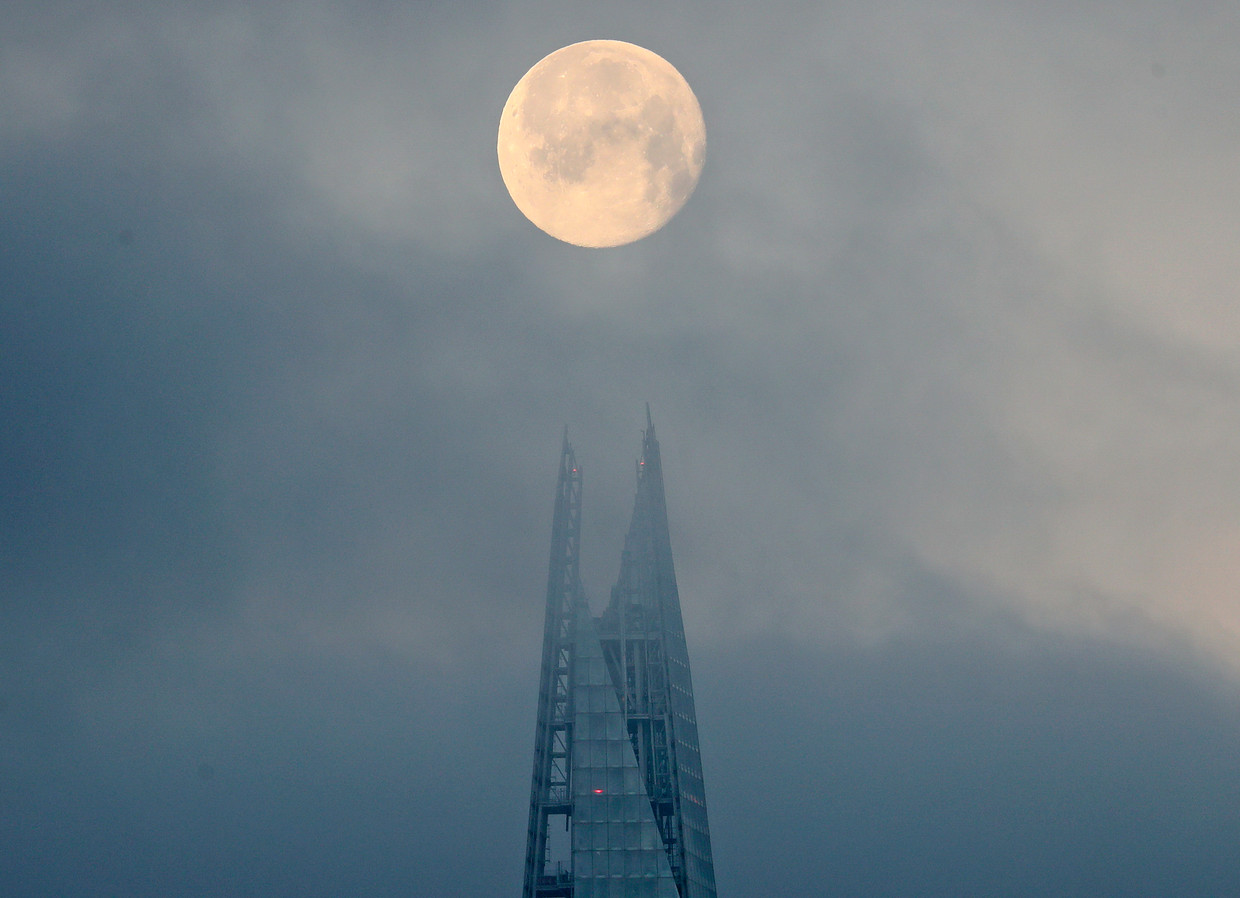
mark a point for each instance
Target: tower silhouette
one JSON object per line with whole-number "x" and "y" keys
{"x": 617, "y": 803}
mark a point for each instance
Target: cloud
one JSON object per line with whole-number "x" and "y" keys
{"x": 940, "y": 355}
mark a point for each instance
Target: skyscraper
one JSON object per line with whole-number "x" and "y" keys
{"x": 617, "y": 804}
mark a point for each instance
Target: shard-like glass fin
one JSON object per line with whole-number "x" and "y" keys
{"x": 616, "y": 765}
{"x": 644, "y": 623}
{"x": 617, "y": 847}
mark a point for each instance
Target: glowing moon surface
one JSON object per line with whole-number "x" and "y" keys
{"x": 601, "y": 143}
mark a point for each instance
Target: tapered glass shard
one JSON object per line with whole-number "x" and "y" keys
{"x": 614, "y": 835}
{"x": 617, "y": 805}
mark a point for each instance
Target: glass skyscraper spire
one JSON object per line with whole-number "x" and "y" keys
{"x": 617, "y": 803}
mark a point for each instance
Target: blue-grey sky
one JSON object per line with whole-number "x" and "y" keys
{"x": 944, "y": 355}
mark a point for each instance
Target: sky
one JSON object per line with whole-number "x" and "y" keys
{"x": 943, "y": 355}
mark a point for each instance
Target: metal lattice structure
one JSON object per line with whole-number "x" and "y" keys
{"x": 617, "y": 803}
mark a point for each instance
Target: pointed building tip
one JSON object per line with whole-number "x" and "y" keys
{"x": 650, "y": 447}
{"x": 568, "y": 460}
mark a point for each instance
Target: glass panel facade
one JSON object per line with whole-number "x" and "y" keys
{"x": 617, "y": 727}
{"x": 646, "y": 598}
{"x": 617, "y": 849}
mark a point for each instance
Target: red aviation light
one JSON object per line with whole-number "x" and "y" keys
{"x": 598, "y": 791}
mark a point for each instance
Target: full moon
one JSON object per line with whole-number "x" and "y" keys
{"x": 601, "y": 143}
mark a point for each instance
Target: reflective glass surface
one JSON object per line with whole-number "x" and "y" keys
{"x": 617, "y": 849}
